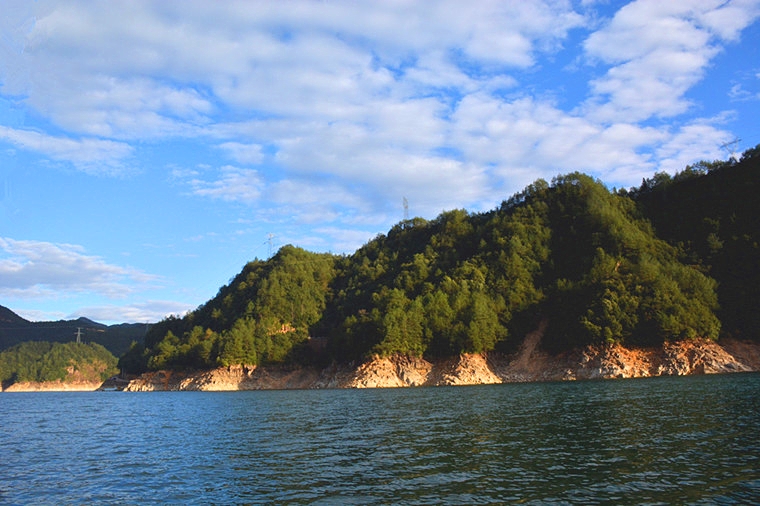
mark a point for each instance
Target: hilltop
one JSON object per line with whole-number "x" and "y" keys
{"x": 672, "y": 261}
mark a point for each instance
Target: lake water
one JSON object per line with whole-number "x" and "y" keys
{"x": 692, "y": 440}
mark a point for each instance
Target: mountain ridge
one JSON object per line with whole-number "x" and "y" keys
{"x": 117, "y": 338}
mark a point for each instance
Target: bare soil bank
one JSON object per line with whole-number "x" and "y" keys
{"x": 85, "y": 379}
{"x": 529, "y": 364}
{"x": 54, "y": 386}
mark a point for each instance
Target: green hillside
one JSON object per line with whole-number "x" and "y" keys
{"x": 38, "y": 361}
{"x": 669, "y": 260}
{"x": 116, "y": 338}
{"x": 711, "y": 213}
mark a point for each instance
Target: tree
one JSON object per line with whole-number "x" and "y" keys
{"x": 402, "y": 326}
{"x": 631, "y": 267}
{"x": 40, "y": 361}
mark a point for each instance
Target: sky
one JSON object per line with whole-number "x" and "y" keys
{"x": 149, "y": 149}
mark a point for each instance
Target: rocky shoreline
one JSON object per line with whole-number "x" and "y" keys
{"x": 54, "y": 386}
{"x": 529, "y": 364}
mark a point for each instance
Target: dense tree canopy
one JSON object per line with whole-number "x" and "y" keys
{"x": 710, "y": 213}
{"x": 38, "y": 361}
{"x": 633, "y": 266}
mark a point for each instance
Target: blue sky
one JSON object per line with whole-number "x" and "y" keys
{"x": 149, "y": 149}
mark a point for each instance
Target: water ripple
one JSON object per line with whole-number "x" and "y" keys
{"x": 658, "y": 441}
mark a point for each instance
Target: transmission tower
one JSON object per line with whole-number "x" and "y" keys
{"x": 406, "y": 210}
{"x": 271, "y": 244}
{"x": 731, "y": 148}
{"x": 79, "y": 335}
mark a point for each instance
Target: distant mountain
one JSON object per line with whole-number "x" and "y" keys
{"x": 115, "y": 338}
{"x": 9, "y": 317}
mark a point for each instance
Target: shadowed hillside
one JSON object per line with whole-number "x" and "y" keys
{"x": 115, "y": 338}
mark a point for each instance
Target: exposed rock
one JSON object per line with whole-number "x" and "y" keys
{"x": 466, "y": 369}
{"x": 530, "y": 363}
{"x": 153, "y": 381}
{"x": 379, "y": 372}
{"x": 698, "y": 357}
{"x": 83, "y": 377}
{"x": 54, "y": 386}
{"x": 611, "y": 361}
{"x": 398, "y": 371}
{"x": 240, "y": 377}
{"x": 745, "y": 352}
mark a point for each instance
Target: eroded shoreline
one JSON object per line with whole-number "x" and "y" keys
{"x": 529, "y": 364}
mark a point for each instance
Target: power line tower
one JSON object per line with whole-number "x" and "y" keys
{"x": 271, "y": 244}
{"x": 731, "y": 148}
{"x": 406, "y": 209}
{"x": 79, "y": 335}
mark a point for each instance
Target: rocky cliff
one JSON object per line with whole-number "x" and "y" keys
{"x": 528, "y": 364}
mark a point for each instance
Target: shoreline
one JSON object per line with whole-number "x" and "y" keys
{"x": 528, "y": 364}
{"x": 53, "y": 386}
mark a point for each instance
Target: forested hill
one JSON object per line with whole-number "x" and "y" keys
{"x": 116, "y": 338}
{"x": 711, "y": 212}
{"x": 40, "y": 361}
{"x": 669, "y": 260}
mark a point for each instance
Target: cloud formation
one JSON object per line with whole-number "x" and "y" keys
{"x": 384, "y": 96}
{"x": 149, "y": 311}
{"x": 232, "y": 184}
{"x": 657, "y": 51}
{"x": 95, "y": 156}
{"x": 35, "y": 269}
{"x": 315, "y": 119}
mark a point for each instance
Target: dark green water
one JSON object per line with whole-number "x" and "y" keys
{"x": 693, "y": 440}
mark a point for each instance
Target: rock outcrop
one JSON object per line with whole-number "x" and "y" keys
{"x": 530, "y": 363}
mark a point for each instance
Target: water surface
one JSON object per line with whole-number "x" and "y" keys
{"x": 680, "y": 440}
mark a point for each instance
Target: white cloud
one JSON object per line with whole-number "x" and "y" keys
{"x": 233, "y": 184}
{"x": 133, "y": 108}
{"x": 150, "y": 311}
{"x": 164, "y": 68}
{"x": 37, "y": 315}
{"x": 309, "y": 201}
{"x": 527, "y": 139}
{"x": 248, "y": 154}
{"x": 690, "y": 144}
{"x": 344, "y": 108}
{"x": 339, "y": 239}
{"x": 728, "y": 19}
{"x": 739, "y": 94}
{"x": 372, "y": 94}
{"x": 35, "y": 269}
{"x": 659, "y": 50}
{"x": 95, "y": 156}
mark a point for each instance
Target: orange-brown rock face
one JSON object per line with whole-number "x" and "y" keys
{"x": 530, "y": 363}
